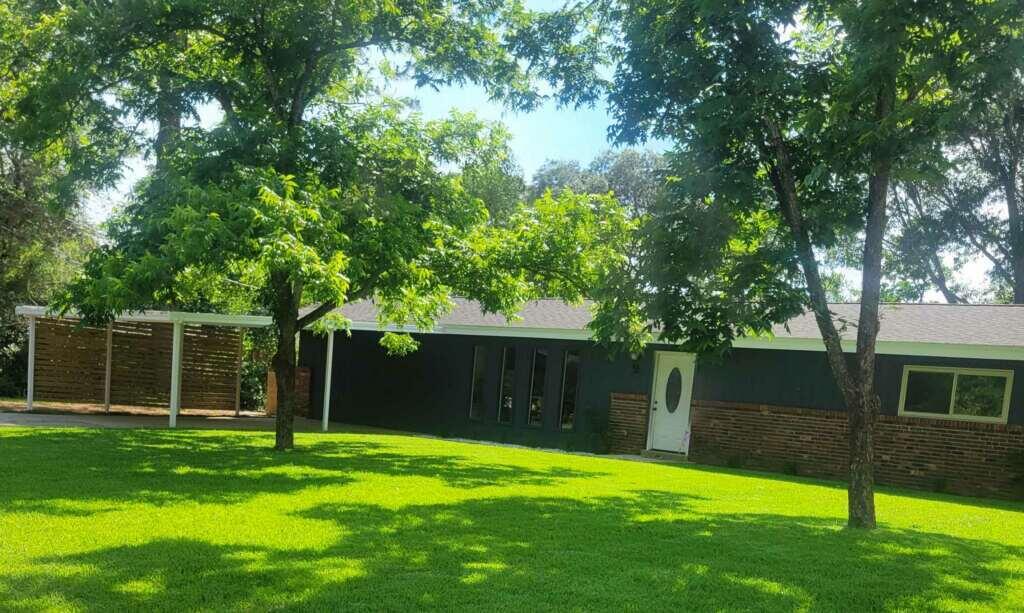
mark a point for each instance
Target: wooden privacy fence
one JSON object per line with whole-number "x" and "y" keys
{"x": 72, "y": 362}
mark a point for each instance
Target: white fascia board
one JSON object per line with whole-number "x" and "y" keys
{"x": 512, "y": 332}
{"x": 218, "y": 319}
{"x": 911, "y": 348}
{"x": 781, "y": 343}
{"x": 213, "y": 319}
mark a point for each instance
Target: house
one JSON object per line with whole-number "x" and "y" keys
{"x": 950, "y": 377}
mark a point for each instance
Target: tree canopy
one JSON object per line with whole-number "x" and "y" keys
{"x": 312, "y": 188}
{"x": 634, "y": 176}
{"x": 974, "y": 209}
{"x": 791, "y": 123}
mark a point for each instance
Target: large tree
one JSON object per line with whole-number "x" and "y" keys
{"x": 975, "y": 208}
{"x": 43, "y": 231}
{"x": 634, "y": 176}
{"x": 791, "y": 122}
{"x": 312, "y": 189}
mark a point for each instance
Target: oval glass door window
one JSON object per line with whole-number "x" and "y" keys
{"x": 673, "y": 390}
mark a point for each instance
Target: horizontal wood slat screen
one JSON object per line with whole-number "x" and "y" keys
{"x": 71, "y": 363}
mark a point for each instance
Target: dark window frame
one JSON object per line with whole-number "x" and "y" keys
{"x": 576, "y": 391}
{"x": 473, "y": 384}
{"x": 543, "y": 389}
{"x": 512, "y": 387}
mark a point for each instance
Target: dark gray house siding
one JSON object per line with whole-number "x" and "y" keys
{"x": 802, "y": 379}
{"x": 429, "y": 390}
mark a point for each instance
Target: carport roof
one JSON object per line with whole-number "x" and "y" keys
{"x": 211, "y": 319}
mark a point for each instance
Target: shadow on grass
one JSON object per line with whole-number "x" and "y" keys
{"x": 959, "y": 499}
{"x": 75, "y": 471}
{"x": 643, "y": 552}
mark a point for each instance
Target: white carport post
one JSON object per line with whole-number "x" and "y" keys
{"x": 176, "y": 349}
{"x": 327, "y": 379}
{"x": 30, "y": 392}
{"x": 110, "y": 355}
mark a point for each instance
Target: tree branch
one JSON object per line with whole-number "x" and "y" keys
{"x": 315, "y": 314}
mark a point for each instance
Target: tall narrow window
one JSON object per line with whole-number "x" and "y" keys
{"x": 540, "y": 370}
{"x": 508, "y": 385}
{"x": 476, "y": 394}
{"x": 570, "y": 389}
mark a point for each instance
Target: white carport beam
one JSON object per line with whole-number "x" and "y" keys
{"x": 327, "y": 379}
{"x": 176, "y": 349}
{"x": 30, "y": 392}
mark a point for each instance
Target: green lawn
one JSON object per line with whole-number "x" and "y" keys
{"x": 133, "y": 519}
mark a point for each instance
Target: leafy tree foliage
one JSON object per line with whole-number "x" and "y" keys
{"x": 312, "y": 189}
{"x": 976, "y": 208}
{"x": 791, "y": 120}
{"x": 634, "y": 176}
{"x": 43, "y": 236}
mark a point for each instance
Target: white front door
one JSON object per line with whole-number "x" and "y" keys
{"x": 670, "y": 401}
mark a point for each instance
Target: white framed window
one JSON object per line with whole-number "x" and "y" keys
{"x": 972, "y": 394}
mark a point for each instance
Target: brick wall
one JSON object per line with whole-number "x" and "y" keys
{"x": 301, "y": 392}
{"x": 627, "y": 423}
{"x": 955, "y": 456}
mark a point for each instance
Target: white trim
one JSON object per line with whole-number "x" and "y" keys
{"x": 912, "y": 348}
{"x": 956, "y": 372}
{"x": 238, "y": 372}
{"x": 211, "y": 319}
{"x": 473, "y": 330}
{"x": 31, "y": 379}
{"x": 177, "y": 342}
{"x": 328, "y": 367}
{"x": 107, "y": 371}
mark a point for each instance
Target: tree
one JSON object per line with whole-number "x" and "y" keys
{"x": 636, "y": 177}
{"x": 920, "y": 240}
{"x": 791, "y": 122}
{"x": 43, "y": 233}
{"x": 311, "y": 188}
{"x": 976, "y": 207}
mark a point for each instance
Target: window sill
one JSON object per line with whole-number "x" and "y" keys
{"x": 950, "y": 417}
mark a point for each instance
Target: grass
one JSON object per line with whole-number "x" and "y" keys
{"x": 147, "y": 519}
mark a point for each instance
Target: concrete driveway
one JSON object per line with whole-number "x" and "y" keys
{"x": 115, "y": 420}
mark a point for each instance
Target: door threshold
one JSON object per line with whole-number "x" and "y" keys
{"x": 667, "y": 456}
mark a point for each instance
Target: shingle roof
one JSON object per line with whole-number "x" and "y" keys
{"x": 543, "y": 314}
{"x": 994, "y": 325}
{"x": 958, "y": 324}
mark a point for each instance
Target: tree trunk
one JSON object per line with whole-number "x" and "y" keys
{"x": 1016, "y": 220}
{"x": 286, "y": 316}
{"x": 857, "y": 384}
{"x": 860, "y": 493}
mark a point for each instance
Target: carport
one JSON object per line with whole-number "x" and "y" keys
{"x": 140, "y": 358}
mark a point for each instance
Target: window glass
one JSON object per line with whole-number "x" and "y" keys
{"x": 508, "y": 384}
{"x": 979, "y": 395}
{"x": 540, "y": 368}
{"x": 928, "y": 392}
{"x": 570, "y": 386}
{"x": 476, "y": 399}
{"x": 673, "y": 390}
